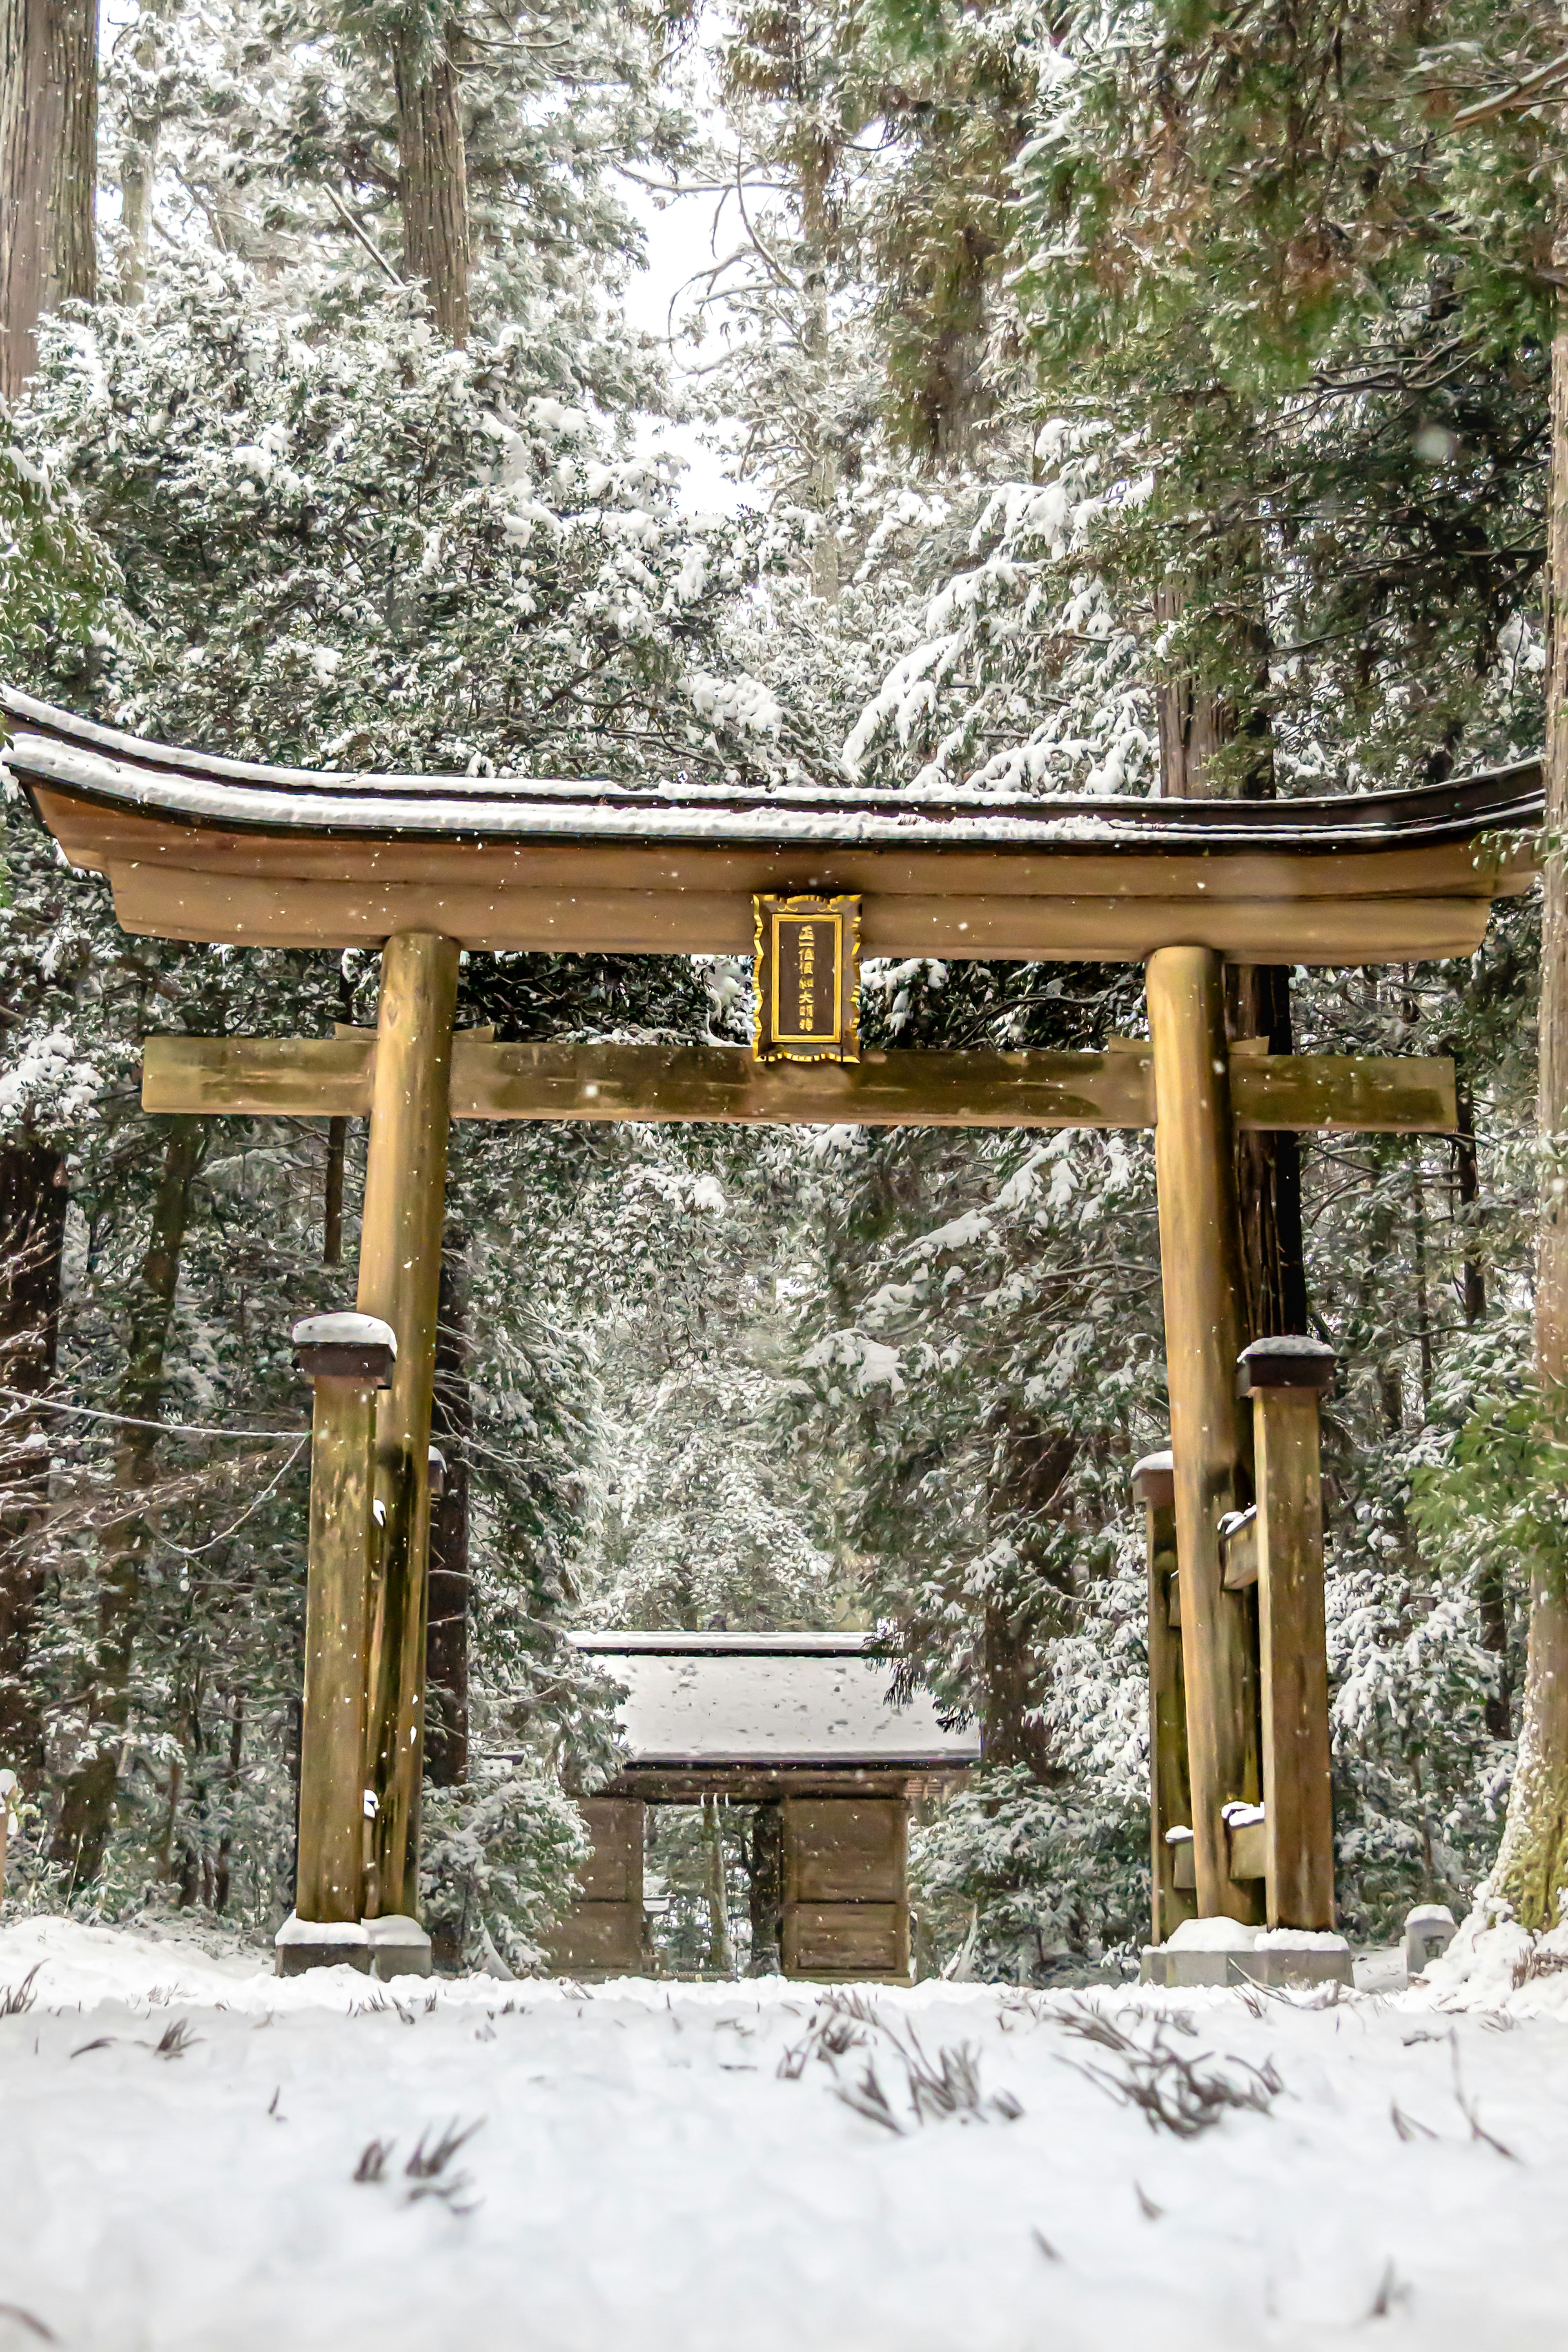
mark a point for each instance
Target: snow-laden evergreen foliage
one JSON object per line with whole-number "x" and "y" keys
{"x": 1031, "y": 317}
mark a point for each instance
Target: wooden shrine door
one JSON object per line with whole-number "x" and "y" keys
{"x": 846, "y": 1894}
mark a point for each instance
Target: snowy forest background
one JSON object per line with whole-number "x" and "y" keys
{"x": 1059, "y": 355}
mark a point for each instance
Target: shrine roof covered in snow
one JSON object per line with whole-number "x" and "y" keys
{"x": 201, "y": 847}
{"x": 760, "y": 1704}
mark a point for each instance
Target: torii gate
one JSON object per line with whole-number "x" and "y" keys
{"x": 202, "y": 849}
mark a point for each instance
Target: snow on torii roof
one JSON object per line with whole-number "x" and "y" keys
{"x": 769, "y": 1700}
{"x": 53, "y": 747}
{"x": 203, "y": 848}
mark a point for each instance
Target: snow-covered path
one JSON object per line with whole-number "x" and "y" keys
{"x": 646, "y": 2178}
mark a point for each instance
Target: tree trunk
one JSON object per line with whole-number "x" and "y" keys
{"x": 433, "y": 174}
{"x": 446, "y": 1635}
{"x": 333, "y": 1199}
{"x": 1008, "y": 1736}
{"x": 139, "y": 158}
{"x": 33, "y": 1199}
{"x": 1269, "y": 1169}
{"x": 1532, "y": 1868}
{"x": 721, "y": 1952}
{"x": 822, "y": 458}
{"x": 86, "y": 1804}
{"x": 1492, "y": 1588}
{"x": 766, "y": 1890}
{"x": 1468, "y": 1184}
{"x": 48, "y": 158}
{"x": 1194, "y": 727}
{"x": 231, "y": 1785}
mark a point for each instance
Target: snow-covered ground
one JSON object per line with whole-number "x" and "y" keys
{"x": 189, "y": 2163}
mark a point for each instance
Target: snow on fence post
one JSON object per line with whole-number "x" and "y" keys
{"x": 348, "y": 1358}
{"x": 1284, "y": 1377}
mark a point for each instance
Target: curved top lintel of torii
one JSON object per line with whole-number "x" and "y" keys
{"x": 200, "y": 847}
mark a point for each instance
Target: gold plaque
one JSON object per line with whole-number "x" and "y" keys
{"x": 808, "y": 954}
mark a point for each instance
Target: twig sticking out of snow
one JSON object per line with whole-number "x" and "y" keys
{"x": 1181, "y": 2096}
{"x": 426, "y": 2167}
{"x": 16, "y": 2000}
{"x": 371, "y": 2168}
{"x": 29, "y": 2319}
{"x": 947, "y": 2087}
{"x": 1467, "y": 2107}
{"x": 868, "y": 2098}
{"x": 175, "y": 2040}
{"x": 1392, "y": 2291}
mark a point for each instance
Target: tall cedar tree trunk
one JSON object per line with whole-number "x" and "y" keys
{"x": 1194, "y": 727}
{"x": 48, "y": 167}
{"x": 139, "y": 162}
{"x": 1037, "y": 1463}
{"x": 1532, "y": 1869}
{"x": 815, "y": 232}
{"x": 721, "y": 1951}
{"x": 434, "y": 193}
{"x": 33, "y": 1197}
{"x": 446, "y": 1636}
{"x": 432, "y": 175}
{"x": 766, "y": 1890}
{"x": 86, "y": 1805}
{"x": 1491, "y": 1591}
{"x": 49, "y": 154}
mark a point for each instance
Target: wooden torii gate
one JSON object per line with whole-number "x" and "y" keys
{"x": 202, "y": 849}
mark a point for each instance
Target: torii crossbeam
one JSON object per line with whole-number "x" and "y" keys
{"x": 201, "y": 848}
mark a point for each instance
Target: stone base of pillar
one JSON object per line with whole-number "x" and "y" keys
{"x": 302, "y": 1944}
{"x": 389, "y": 1948}
{"x": 1325, "y": 1959}
{"x": 399, "y": 1947}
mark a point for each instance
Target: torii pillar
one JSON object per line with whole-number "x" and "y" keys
{"x": 400, "y": 1280}
{"x": 1201, "y": 1277}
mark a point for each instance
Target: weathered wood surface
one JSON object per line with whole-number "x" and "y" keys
{"x": 846, "y": 1903}
{"x": 602, "y": 1934}
{"x": 1200, "y": 1266}
{"x": 1353, "y": 1094}
{"x": 1239, "y": 1553}
{"x": 1249, "y": 1855}
{"x": 1294, "y": 1652}
{"x": 334, "y": 1077}
{"x": 846, "y": 1939}
{"x": 1170, "y": 1798}
{"x": 260, "y": 1078}
{"x": 1315, "y": 864}
{"x": 331, "y": 1876}
{"x": 839, "y": 1849}
{"x": 597, "y": 1939}
{"x": 614, "y": 1871}
{"x": 400, "y": 1275}
{"x": 1074, "y": 924}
